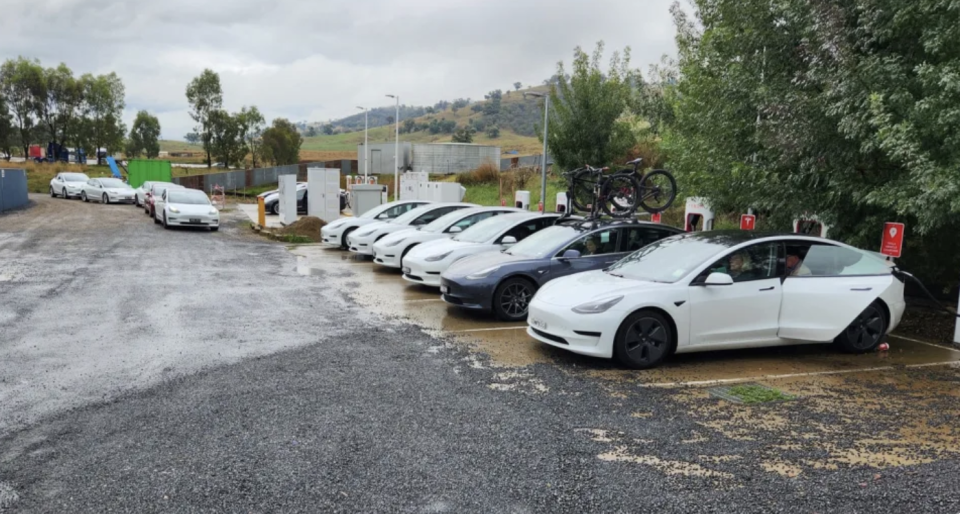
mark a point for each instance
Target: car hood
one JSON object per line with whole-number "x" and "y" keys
{"x": 397, "y": 236}
{"x": 191, "y": 208}
{"x": 591, "y": 285}
{"x": 370, "y": 227}
{"x": 483, "y": 261}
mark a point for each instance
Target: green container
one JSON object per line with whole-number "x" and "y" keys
{"x": 142, "y": 170}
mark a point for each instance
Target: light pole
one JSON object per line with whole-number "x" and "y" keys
{"x": 543, "y": 164}
{"x": 396, "y": 152}
{"x": 366, "y": 149}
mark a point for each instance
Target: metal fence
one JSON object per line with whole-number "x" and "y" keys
{"x": 13, "y": 189}
{"x": 240, "y": 179}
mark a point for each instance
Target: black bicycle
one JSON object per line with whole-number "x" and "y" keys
{"x": 619, "y": 194}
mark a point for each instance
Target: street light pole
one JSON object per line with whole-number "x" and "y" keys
{"x": 396, "y": 152}
{"x": 543, "y": 164}
{"x": 366, "y": 146}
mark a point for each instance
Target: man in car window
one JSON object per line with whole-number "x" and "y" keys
{"x": 795, "y": 266}
{"x": 590, "y": 248}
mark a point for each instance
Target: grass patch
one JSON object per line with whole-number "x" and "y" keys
{"x": 294, "y": 238}
{"x": 750, "y": 394}
{"x": 39, "y": 175}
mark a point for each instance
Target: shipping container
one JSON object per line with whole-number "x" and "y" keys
{"x": 447, "y": 158}
{"x": 141, "y": 170}
{"x": 381, "y": 158}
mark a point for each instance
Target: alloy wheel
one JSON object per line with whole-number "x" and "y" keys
{"x": 867, "y": 329}
{"x": 515, "y": 299}
{"x": 646, "y": 340}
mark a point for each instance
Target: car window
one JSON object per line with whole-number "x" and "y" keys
{"x": 301, "y": 193}
{"x": 397, "y": 210}
{"x": 469, "y": 221}
{"x": 595, "y": 243}
{"x": 822, "y": 260}
{"x": 427, "y": 217}
{"x": 635, "y": 238}
{"x": 756, "y": 262}
{"x": 521, "y": 231}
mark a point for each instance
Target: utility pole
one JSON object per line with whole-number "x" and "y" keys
{"x": 396, "y": 152}
{"x": 543, "y": 164}
{"x": 366, "y": 146}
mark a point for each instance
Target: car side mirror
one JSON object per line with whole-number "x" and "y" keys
{"x": 570, "y": 254}
{"x": 508, "y": 241}
{"x": 455, "y": 230}
{"x": 718, "y": 279}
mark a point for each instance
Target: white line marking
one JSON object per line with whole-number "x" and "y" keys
{"x": 489, "y": 329}
{"x": 425, "y": 300}
{"x": 926, "y": 343}
{"x": 722, "y": 381}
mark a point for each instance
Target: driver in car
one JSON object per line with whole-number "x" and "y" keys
{"x": 590, "y": 247}
{"x": 795, "y": 266}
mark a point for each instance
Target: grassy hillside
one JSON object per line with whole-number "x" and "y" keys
{"x": 167, "y": 145}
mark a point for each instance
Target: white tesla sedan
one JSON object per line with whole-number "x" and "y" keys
{"x": 67, "y": 185}
{"x": 335, "y": 233}
{"x": 140, "y": 193}
{"x": 425, "y": 263}
{"x": 106, "y": 190}
{"x": 721, "y": 290}
{"x": 361, "y": 241}
{"x": 186, "y": 208}
{"x": 391, "y": 250}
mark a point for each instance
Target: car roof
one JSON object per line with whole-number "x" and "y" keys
{"x": 591, "y": 225}
{"x": 736, "y": 237}
{"x": 526, "y": 215}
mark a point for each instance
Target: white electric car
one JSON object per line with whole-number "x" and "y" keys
{"x": 391, "y": 250}
{"x": 335, "y": 233}
{"x": 361, "y": 241}
{"x": 425, "y": 263}
{"x": 186, "y": 208}
{"x": 67, "y": 185}
{"x": 721, "y": 290}
{"x": 106, "y": 190}
{"x": 140, "y": 193}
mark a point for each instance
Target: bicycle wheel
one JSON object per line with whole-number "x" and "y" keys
{"x": 658, "y": 190}
{"x": 581, "y": 191}
{"x": 620, "y": 195}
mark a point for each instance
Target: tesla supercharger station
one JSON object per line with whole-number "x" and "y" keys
{"x": 697, "y": 216}
{"x": 323, "y": 193}
{"x": 562, "y": 205}
{"x": 410, "y": 184}
{"x": 810, "y": 226}
{"x": 288, "y": 198}
{"x": 522, "y": 200}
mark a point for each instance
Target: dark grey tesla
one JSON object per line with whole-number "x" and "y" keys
{"x": 504, "y": 282}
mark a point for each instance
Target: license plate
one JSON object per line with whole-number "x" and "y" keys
{"x": 194, "y": 220}
{"x": 444, "y": 290}
{"x": 542, "y": 325}
{"x": 406, "y": 269}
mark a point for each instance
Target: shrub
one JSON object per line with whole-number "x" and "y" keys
{"x": 487, "y": 173}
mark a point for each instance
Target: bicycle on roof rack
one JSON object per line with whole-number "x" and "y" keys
{"x": 619, "y": 194}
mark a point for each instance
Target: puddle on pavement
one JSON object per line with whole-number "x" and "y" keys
{"x": 897, "y": 414}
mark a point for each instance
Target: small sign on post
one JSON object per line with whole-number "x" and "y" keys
{"x": 655, "y": 217}
{"x": 748, "y": 221}
{"x": 892, "y": 243}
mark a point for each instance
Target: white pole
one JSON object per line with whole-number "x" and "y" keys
{"x": 366, "y": 144}
{"x": 543, "y": 169}
{"x": 396, "y": 155}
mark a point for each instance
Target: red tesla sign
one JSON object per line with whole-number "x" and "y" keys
{"x": 655, "y": 217}
{"x": 892, "y": 242}
{"x": 748, "y": 221}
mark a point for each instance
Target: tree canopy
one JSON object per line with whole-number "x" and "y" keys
{"x": 206, "y": 97}
{"x": 144, "y": 136}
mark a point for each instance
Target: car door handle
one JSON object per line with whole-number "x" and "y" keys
{"x": 861, "y": 289}
{"x": 767, "y": 288}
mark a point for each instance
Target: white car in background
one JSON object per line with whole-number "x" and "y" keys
{"x": 391, "y": 250}
{"x": 140, "y": 193}
{"x": 154, "y": 193}
{"x": 186, "y": 208}
{"x": 425, "y": 263}
{"x": 721, "y": 290}
{"x": 335, "y": 233}
{"x": 68, "y": 185}
{"x": 106, "y": 190}
{"x": 361, "y": 241}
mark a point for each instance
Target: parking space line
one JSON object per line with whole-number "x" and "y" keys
{"x": 942, "y": 347}
{"x": 489, "y": 329}
{"x": 722, "y": 381}
{"x": 425, "y": 300}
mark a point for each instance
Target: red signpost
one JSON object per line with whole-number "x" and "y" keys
{"x": 892, "y": 243}
{"x": 655, "y": 217}
{"x": 748, "y": 221}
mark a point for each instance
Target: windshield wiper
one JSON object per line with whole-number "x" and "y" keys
{"x": 612, "y": 273}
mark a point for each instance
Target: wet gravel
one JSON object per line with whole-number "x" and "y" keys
{"x": 199, "y": 372}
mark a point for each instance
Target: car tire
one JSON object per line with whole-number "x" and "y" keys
{"x": 343, "y": 238}
{"x": 63, "y": 193}
{"x": 866, "y": 331}
{"x": 275, "y": 209}
{"x": 165, "y": 221}
{"x": 105, "y": 199}
{"x": 136, "y": 201}
{"x": 214, "y": 229}
{"x": 155, "y": 220}
{"x": 53, "y": 194}
{"x": 511, "y": 299}
{"x": 404, "y": 254}
{"x": 83, "y": 196}
{"x": 643, "y": 340}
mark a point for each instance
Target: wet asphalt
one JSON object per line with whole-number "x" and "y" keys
{"x": 144, "y": 370}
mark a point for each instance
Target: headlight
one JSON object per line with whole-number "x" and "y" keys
{"x": 367, "y": 233}
{"x": 174, "y": 209}
{"x": 395, "y": 243}
{"x": 597, "y": 306}
{"x": 435, "y": 258}
{"x": 214, "y": 212}
{"x": 483, "y": 273}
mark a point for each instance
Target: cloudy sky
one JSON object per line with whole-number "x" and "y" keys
{"x": 317, "y": 60}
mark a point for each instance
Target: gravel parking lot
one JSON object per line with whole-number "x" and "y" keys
{"x": 144, "y": 370}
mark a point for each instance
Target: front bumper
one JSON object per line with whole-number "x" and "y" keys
{"x": 421, "y": 273}
{"x": 585, "y": 334}
{"x": 466, "y": 295}
{"x": 361, "y": 245}
{"x": 73, "y": 193}
{"x": 120, "y": 198}
{"x": 387, "y": 256}
{"x": 331, "y": 237}
{"x": 177, "y": 220}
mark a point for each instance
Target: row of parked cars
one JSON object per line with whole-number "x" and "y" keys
{"x": 166, "y": 203}
{"x": 633, "y": 290}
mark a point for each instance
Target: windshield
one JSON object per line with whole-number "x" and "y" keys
{"x": 373, "y": 213}
{"x": 188, "y": 197}
{"x": 113, "y": 182}
{"x": 541, "y": 243}
{"x": 74, "y": 177}
{"x": 158, "y": 189}
{"x": 486, "y": 229}
{"x": 669, "y": 260}
{"x": 409, "y": 216}
{"x": 446, "y": 220}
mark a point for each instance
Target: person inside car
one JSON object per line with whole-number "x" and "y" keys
{"x": 795, "y": 266}
{"x": 590, "y": 247}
